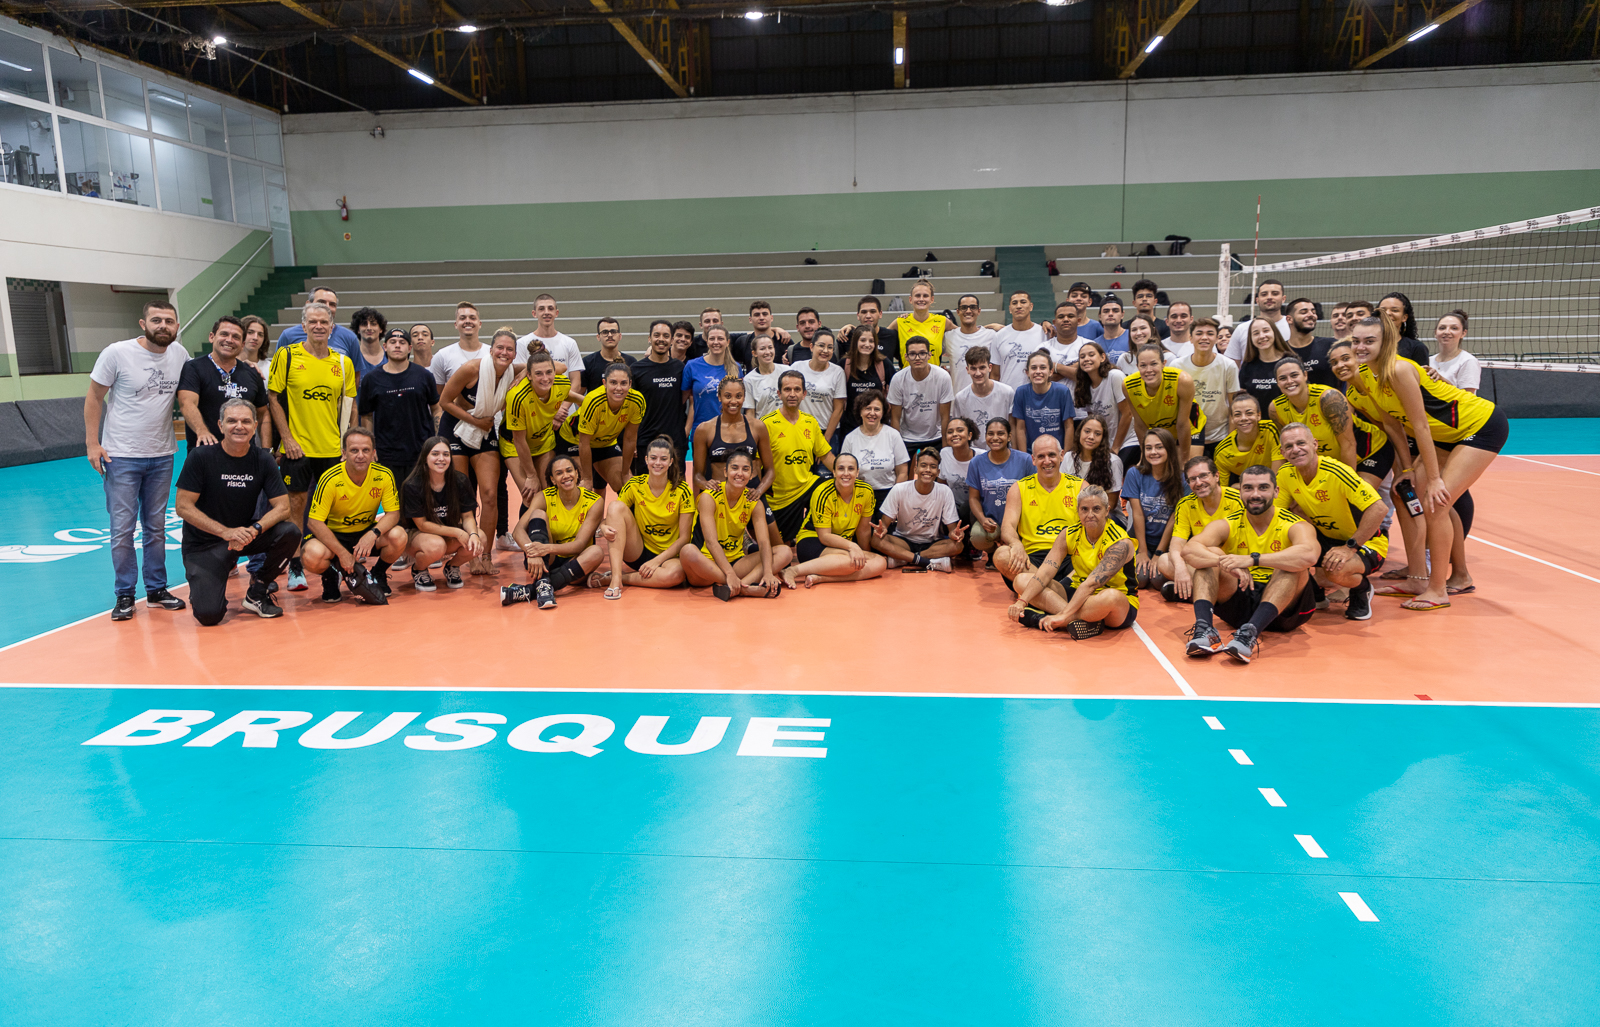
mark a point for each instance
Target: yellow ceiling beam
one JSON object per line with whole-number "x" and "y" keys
{"x": 1458, "y": 9}
{"x": 373, "y": 48}
{"x": 1162, "y": 32}
{"x": 638, "y": 44}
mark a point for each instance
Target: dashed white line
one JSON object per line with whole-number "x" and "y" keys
{"x": 1309, "y": 844}
{"x": 1362, "y": 911}
{"x": 1214, "y": 724}
{"x": 1240, "y": 758}
{"x": 1272, "y": 797}
{"x": 1525, "y": 556}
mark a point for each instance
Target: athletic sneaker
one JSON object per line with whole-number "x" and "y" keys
{"x": 941, "y": 564}
{"x": 544, "y": 594}
{"x": 259, "y": 602}
{"x": 297, "y": 579}
{"x": 1082, "y": 629}
{"x": 506, "y": 544}
{"x": 401, "y": 564}
{"x": 422, "y": 581}
{"x": 510, "y": 594}
{"x": 452, "y": 576}
{"x": 1203, "y": 640}
{"x": 382, "y": 581}
{"x": 1169, "y": 592}
{"x": 233, "y": 572}
{"x": 1244, "y": 643}
{"x": 330, "y": 586}
{"x": 1360, "y": 601}
{"x": 124, "y": 608}
{"x": 164, "y": 599}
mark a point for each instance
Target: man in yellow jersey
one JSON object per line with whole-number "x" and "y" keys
{"x": 345, "y": 526}
{"x": 1346, "y": 511}
{"x": 306, "y": 389}
{"x": 1099, "y": 594}
{"x": 1038, "y": 508}
{"x": 602, "y": 437}
{"x": 1255, "y": 565}
{"x": 534, "y": 406}
{"x": 798, "y": 444}
{"x": 1207, "y": 501}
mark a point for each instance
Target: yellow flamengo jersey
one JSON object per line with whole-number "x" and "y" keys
{"x": 1369, "y": 438}
{"x": 526, "y": 412}
{"x": 657, "y": 516}
{"x": 796, "y": 446}
{"x": 312, "y": 391}
{"x": 1453, "y": 414}
{"x": 830, "y": 512}
{"x": 1086, "y": 556}
{"x": 932, "y": 330}
{"x": 1160, "y": 409}
{"x": 596, "y": 418}
{"x": 1046, "y": 514}
{"x": 564, "y": 522}
{"x": 1243, "y": 540}
{"x": 347, "y": 507}
{"x": 730, "y": 522}
{"x": 1190, "y": 517}
{"x": 1332, "y": 500}
{"x": 1232, "y": 460}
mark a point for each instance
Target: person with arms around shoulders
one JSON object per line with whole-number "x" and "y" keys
{"x": 439, "y": 507}
{"x": 535, "y": 407}
{"x": 869, "y": 311}
{"x": 961, "y": 337}
{"x": 345, "y": 526}
{"x": 920, "y": 323}
{"x": 602, "y": 436}
{"x": 1091, "y": 557}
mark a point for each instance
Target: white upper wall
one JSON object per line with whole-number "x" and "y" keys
{"x": 1361, "y": 124}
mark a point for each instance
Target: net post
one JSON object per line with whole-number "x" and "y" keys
{"x": 1224, "y": 274}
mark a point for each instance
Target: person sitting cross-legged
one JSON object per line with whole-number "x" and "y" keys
{"x": 1099, "y": 594}
{"x": 913, "y": 514}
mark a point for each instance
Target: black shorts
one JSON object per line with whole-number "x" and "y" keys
{"x": 302, "y": 475}
{"x": 1492, "y": 436}
{"x": 1241, "y": 606}
{"x": 790, "y": 519}
{"x": 1378, "y": 464}
{"x": 597, "y": 454}
{"x": 1063, "y": 573}
{"x": 1133, "y": 614}
{"x": 400, "y": 463}
{"x": 348, "y": 539}
{"x": 919, "y": 547}
{"x": 1369, "y": 559}
{"x": 808, "y": 549}
{"x": 645, "y": 555}
{"x": 447, "y": 428}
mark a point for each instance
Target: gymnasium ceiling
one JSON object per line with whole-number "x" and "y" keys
{"x": 298, "y": 56}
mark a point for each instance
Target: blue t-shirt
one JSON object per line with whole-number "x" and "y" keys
{"x": 362, "y": 367}
{"x": 994, "y": 480}
{"x": 343, "y": 340}
{"x": 1111, "y": 346}
{"x": 1043, "y": 415}
{"x": 1091, "y": 330}
{"x": 1153, "y": 501}
{"x": 703, "y": 379}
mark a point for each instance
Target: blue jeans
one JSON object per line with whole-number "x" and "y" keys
{"x": 137, "y": 489}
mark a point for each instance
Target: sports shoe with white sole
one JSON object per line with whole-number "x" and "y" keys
{"x": 422, "y": 581}
{"x": 452, "y": 576}
{"x": 941, "y": 564}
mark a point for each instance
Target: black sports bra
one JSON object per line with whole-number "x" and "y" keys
{"x": 717, "y": 451}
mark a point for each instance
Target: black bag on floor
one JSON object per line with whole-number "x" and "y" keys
{"x": 1178, "y": 243}
{"x": 877, "y": 287}
{"x": 986, "y": 269}
{"x": 913, "y": 273}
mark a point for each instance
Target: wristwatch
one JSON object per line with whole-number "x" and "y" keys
{"x": 1255, "y": 559}
{"x": 1352, "y": 543}
{"x": 256, "y": 525}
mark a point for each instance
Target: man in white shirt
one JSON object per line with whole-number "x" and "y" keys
{"x": 957, "y": 341}
{"x": 132, "y": 388}
{"x": 919, "y": 398}
{"x": 465, "y": 348}
{"x": 1065, "y": 344}
{"x": 985, "y": 399}
{"x": 1216, "y": 379}
{"x": 1269, "y": 304}
{"x": 562, "y": 348}
{"x": 1011, "y": 344}
{"x": 916, "y": 510}
{"x": 1180, "y": 319}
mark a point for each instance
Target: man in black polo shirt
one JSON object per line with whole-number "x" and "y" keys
{"x": 217, "y": 493}
{"x": 659, "y": 378}
{"x": 396, "y": 403}
{"x": 211, "y": 379}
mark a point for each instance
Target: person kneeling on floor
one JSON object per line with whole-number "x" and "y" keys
{"x": 1255, "y": 566}
{"x": 1099, "y": 594}
{"x": 344, "y": 526}
{"x": 217, "y": 493}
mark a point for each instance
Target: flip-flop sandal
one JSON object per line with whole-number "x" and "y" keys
{"x": 1394, "y": 574}
{"x": 614, "y": 592}
{"x": 1424, "y": 606}
{"x": 722, "y": 592}
{"x": 599, "y": 578}
{"x": 1452, "y": 590}
{"x": 1394, "y": 593}
{"x": 1082, "y": 629}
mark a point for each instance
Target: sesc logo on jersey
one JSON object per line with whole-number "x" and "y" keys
{"x": 320, "y": 394}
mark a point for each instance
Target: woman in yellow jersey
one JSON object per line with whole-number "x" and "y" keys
{"x": 1160, "y": 397}
{"x": 649, "y": 523}
{"x": 604, "y": 431}
{"x": 1100, "y": 594}
{"x": 1340, "y": 432}
{"x": 534, "y": 407}
{"x": 1366, "y": 416}
{"x": 1252, "y": 440}
{"x": 920, "y": 324}
{"x": 1457, "y": 436}
{"x": 836, "y": 542}
{"x": 556, "y": 533}
{"x": 471, "y": 404}
{"x": 726, "y": 509}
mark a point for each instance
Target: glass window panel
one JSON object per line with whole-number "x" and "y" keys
{"x": 27, "y": 148}
{"x": 189, "y": 183}
{"x": 241, "y": 134}
{"x": 278, "y": 219}
{"x": 84, "y": 158}
{"x": 205, "y": 122}
{"x": 249, "y": 191}
{"x": 221, "y": 193}
{"x": 77, "y": 82}
{"x": 169, "y": 111}
{"x": 124, "y": 97}
{"x": 268, "y": 146}
{"x": 131, "y": 180}
{"x": 22, "y": 67}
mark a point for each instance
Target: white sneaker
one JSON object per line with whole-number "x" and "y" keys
{"x": 893, "y": 563}
{"x": 507, "y": 544}
{"x": 941, "y": 564}
{"x": 435, "y": 565}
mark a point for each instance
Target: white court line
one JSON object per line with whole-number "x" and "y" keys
{"x": 1535, "y": 559}
{"x": 1359, "y": 908}
{"x": 84, "y": 620}
{"x": 1272, "y": 797}
{"x": 1166, "y": 664}
{"x": 1559, "y": 467}
{"x": 1214, "y": 724}
{"x": 1309, "y": 844}
{"x": 1240, "y": 758}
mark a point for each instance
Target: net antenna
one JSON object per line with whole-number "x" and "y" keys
{"x": 1531, "y": 288}
{"x": 1255, "y": 258}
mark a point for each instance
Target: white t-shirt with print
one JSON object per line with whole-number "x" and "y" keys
{"x": 1010, "y": 350}
{"x": 919, "y": 402}
{"x": 142, "y": 384}
{"x": 562, "y": 347}
{"x": 878, "y": 455}
{"x": 822, "y": 388}
{"x": 984, "y": 409}
{"x": 919, "y": 517}
{"x": 956, "y": 345}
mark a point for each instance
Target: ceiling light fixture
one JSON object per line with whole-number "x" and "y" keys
{"x": 219, "y": 40}
{"x": 1424, "y": 30}
{"x": 753, "y": 15}
{"x": 466, "y": 28}
{"x": 419, "y": 75}
{"x": 1055, "y": 3}
{"x": 168, "y": 99}
{"x": 17, "y": 66}
{"x": 899, "y": 55}
{"x": 1155, "y": 42}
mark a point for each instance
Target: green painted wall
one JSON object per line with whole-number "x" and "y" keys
{"x": 1309, "y": 207}
{"x": 42, "y": 386}
{"x": 195, "y": 314}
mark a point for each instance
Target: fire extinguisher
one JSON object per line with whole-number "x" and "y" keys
{"x": 344, "y": 210}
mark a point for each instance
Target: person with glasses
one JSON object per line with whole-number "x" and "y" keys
{"x": 1207, "y": 501}
{"x": 959, "y": 340}
{"x": 608, "y": 333}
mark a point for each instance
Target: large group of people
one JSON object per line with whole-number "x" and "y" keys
{"x": 1253, "y": 471}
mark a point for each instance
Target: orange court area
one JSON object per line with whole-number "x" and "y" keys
{"x": 1525, "y": 635}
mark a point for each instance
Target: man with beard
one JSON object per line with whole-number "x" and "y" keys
{"x": 1255, "y": 566}
{"x": 1207, "y": 502}
{"x": 211, "y": 379}
{"x": 131, "y": 388}
{"x": 1311, "y": 348}
{"x": 659, "y": 379}
{"x": 1269, "y": 305}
